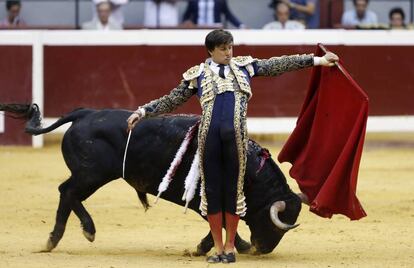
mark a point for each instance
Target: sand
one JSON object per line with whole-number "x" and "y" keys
{"x": 129, "y": 237}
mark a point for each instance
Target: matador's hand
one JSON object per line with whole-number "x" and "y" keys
{"x": 329, "y": 59}
{"x": 134, "y": 118}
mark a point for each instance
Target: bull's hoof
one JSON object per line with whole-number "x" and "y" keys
{"x": 199, "y": 252}
{"x": 50, "y": 245}
{"x": 89, "y": 236}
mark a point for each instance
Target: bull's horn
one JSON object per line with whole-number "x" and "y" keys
{"x": 304, "y": 198}
{"x": 277, "y": 207}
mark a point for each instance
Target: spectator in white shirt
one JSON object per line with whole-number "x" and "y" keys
{"x": 161, "y": 13}
{"x": 103, "y": 20}
{"x": 117, "y": 13}
{"x": 282, "y": 19}
{"x": 360, "y": 15}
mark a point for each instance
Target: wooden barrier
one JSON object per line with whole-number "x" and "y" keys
{"x": 63, "y": 70}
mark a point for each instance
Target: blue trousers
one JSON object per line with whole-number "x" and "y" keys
{"x": 221, "y": 162}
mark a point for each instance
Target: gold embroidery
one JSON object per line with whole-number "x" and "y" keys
{"x": 243, "y": 60}
{"x": 241, "y": 79}
{"x": 240, "y": 109}
{"x": 207, "y": 108}
{"x": 193, "y": 72}
{"x": 278, "y": 65}
{"x": 221, "y": 85}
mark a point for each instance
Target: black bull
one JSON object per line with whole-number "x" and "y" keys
{"x": 93, "y": 149}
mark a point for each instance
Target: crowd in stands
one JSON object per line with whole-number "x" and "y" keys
{"x": 288, "y": 14}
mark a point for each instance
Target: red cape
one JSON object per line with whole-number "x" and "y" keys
{"x": 325, "y": 147}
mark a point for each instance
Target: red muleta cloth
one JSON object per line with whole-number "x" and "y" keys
{"x": 326, "y": 145}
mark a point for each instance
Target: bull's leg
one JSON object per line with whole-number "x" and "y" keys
{"x": 62, "y": 215}
{"x": 207, "y": 243}
{"x": 72, "y": 192}
{"x": 87, "y": 224}
{"x": 84, "y": 189}
{"x": 81, "y": 189}
{"x": 242, "y": 246}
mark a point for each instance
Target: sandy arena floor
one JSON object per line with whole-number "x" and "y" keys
{"x": 129, "y": 237}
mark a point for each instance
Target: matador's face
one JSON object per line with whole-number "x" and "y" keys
{"x": 222, "y": 54}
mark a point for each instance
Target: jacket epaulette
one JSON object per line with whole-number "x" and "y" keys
{"x": 193, "y": 72}
{"x": 243, "y": 60}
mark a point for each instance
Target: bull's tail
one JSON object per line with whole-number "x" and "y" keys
{"x": 31, "y": 113}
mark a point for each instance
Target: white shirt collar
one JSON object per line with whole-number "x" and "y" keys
{"x": 212, "y": 63}
{"x": 215, "y": 67}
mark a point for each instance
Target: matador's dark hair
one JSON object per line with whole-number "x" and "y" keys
{"x": 216, "y": 38}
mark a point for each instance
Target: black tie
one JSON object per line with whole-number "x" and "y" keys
{"x": 221, "y": 71}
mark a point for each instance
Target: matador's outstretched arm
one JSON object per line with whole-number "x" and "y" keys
{"x": 278, "y": 65}
{"x": 165, "y": 104}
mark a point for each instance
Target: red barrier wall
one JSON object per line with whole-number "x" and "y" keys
{"x": 127, "y": 76}
{"x": 15, "y": 87}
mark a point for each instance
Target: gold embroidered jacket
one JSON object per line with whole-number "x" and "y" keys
{"x": 201, "y": 79}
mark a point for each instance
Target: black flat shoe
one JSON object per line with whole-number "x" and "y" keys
{"x": 216, "y": 258}
{"x": 228, "y": 257}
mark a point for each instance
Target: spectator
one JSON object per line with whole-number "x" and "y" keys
{"x": 208, "y": 13}
{"x": 161, "y": 13}
{"x": 117, "y": 14}
{"x": 397, "y": 18}
{"x": 360, "y": 15}
{"x": 13, "y": 15}
{"x": 282, "y": 19}
{"x": 306, "y": 11}
{"x": 103, "y": 21}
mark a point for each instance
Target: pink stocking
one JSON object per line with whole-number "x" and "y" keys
{"x": 216, "y": 225}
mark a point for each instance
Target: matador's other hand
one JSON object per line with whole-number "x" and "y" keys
{"x": 134, "y": 118}
{"x": 329, "y": 59}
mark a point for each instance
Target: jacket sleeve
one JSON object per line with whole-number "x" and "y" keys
{"x": 279, "y": 65}
{"x": 170, "y": 102}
